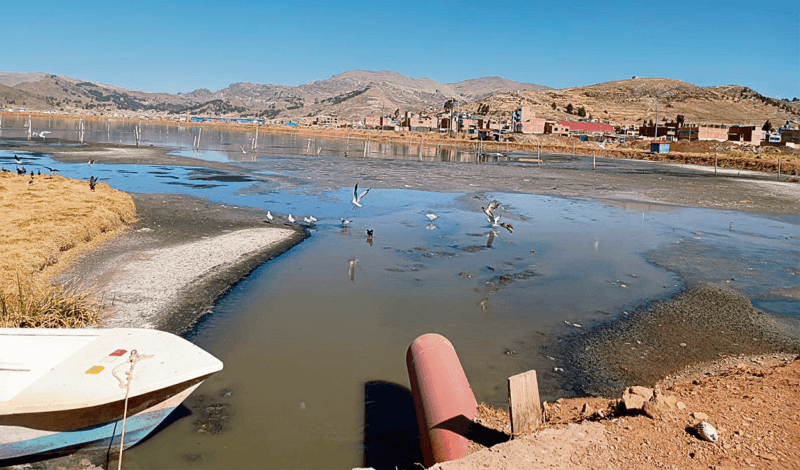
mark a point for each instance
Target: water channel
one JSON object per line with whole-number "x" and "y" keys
{"x": 314, "y": 342}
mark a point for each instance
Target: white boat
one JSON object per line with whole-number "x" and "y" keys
{"x": 65, "y": 388}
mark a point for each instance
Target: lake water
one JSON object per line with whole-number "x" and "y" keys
{"x": 314, "y": 342}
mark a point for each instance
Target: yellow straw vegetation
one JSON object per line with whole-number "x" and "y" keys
{"x": 45, "y": 224}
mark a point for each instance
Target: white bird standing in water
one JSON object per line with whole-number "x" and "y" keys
{"x": 310, "y": 219}
{"x": 357, "y": 198}
{"x": 431, "y": 217}
{"x": 345, "y": 222}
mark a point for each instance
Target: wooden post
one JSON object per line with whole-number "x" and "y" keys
{"x": 421, "y": 141}
{"x": 525, "y": 407}
{"x": 779, "y": 168}
{"x": 715, "y": 164}
{"x": 594, "y": 161}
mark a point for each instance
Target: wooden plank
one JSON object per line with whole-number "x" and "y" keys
{"x": 524, "y": 405}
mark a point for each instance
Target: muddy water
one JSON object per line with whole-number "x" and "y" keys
{"x": 314, "y": 342}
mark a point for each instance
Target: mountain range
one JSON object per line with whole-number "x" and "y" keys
{"x": 358, "y": 93}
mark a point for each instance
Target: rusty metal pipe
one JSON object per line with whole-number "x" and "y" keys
{"x": 444, "y": 402}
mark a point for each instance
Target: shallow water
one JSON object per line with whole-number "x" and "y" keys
{"x": 312, "y": 347}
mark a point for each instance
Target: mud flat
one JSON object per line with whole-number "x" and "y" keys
{"x": 182, "y": 254}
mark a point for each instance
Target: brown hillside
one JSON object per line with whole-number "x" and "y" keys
{"x": 636, "y": 100}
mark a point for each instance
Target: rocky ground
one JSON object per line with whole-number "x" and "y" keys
{"x": 752, "y": 405}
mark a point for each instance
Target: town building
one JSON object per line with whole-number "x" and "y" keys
{"x": 525, "y": 121}
{"x": 587, "y": 128}
{"x": 752, "y": 135}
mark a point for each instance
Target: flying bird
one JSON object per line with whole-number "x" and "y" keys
{"x": 92, "y": 182}
{"x": 357, "y": 198}
{"x": 494, "y": 220}
{"x": 17, "y": 160}
{"x": 41, "y": 134}
{"x": 90, "y": 162}
{"x": 489, "y": 210}
{"x": 52, "y": 170}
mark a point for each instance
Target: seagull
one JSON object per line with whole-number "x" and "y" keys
{"x": 356, "y": 198}
{"x": 494, "y": 219}
{"x": 310, "y": 219}
{"x": 291, "y": 219}
{"x": 5, "y": 170}
{"x": 345, "y": 222}
{"x": 602, "y": 144}
{"x": 17, "y": 160}
{"x": 431, "y": 217}
{"x": 52, "y": 169}
{"x": 243, "y": 150}
{"x": 370, "y": 232}
{"x": 41, "y": 134}
{"x": 21, "y": 171}
{"x": 30, "y": 183}
{"x": 489, "y": 210}
{"x": 269, "y": 218}
{"x": 507, "y": 226}
{"x": 90, "y": 162}
{"x": 92, "y": 182}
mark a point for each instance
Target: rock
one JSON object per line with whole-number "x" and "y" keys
{"x": 699, "y": 415}
{"x": 644, "y": 392}
{"x": 632, "y": 401}
{"x": 680, "y": 405}
{"x": 664, "y": 401}
{"x": 85, "y": 462}
{"x": 706, "y": 431}
{"x": 586, "y": 410}
{"x": 652, "y": 411}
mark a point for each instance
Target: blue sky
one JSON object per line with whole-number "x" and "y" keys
{"x": 179, "y": 46}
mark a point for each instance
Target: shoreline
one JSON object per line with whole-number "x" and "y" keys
{"x": 171, "y": 266}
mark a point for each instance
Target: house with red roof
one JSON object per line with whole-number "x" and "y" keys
{"x": 587, "y": 128}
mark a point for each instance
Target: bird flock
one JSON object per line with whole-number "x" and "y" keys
{"x": 21, "y": 170}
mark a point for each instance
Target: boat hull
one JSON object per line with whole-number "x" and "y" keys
{"x": 23, "y": 441}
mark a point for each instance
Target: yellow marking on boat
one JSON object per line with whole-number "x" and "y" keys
{"x": 94, "y": 370}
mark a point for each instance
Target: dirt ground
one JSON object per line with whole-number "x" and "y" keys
{"x": 753, "y": 405}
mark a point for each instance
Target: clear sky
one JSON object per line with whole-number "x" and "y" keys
{"x": 179, "y": 46}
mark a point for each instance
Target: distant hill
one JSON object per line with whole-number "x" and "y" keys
{"x": 639, "y": 99}
{"x": 357, "y": 93}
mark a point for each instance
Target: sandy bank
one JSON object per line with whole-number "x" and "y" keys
{"x": 177, "y": 260}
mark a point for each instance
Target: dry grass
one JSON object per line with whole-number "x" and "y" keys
{"x": 44, "y": 224}
{"x": 40, "y": 305}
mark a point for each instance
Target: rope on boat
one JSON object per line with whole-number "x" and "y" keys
{"x": 126, "y": 384}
